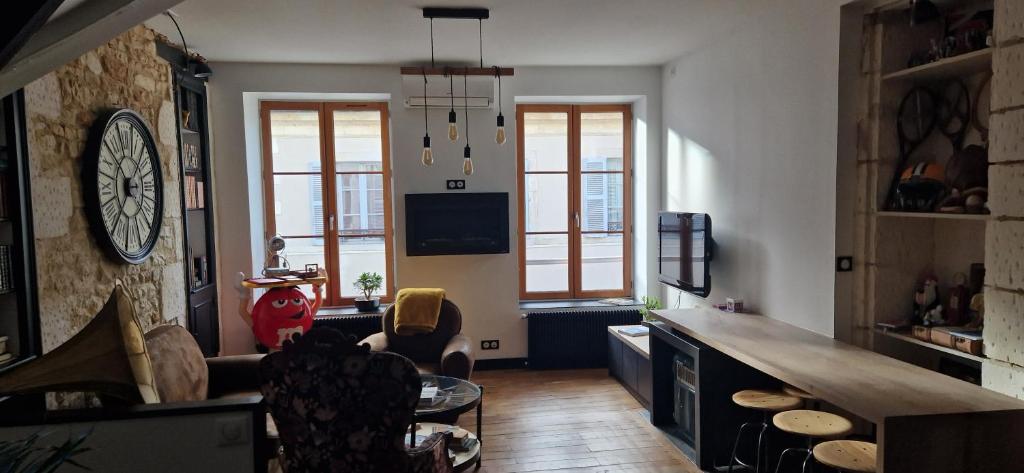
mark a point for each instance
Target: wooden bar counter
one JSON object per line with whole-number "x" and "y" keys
{"x": 926, "y": 421}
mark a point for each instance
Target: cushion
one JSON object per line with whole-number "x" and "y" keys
{"x": 178, "y": 364}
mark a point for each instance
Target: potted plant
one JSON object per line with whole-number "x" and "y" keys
{"x": 368, "y": 283}
{"x": 650, "y": 303}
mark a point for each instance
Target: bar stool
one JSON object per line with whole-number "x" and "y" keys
{"x": 767, "y": 402}
{"x": 811, "y": 425}
{"x": 809, "y": 398}
{"x": 847, "y": 455}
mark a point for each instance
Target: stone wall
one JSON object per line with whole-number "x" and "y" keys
{"x": 75, "y": 277}
{"x": 1004, "y": 245}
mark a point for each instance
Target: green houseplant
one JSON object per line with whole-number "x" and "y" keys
{"x": 650, "y": 303}
{"x": 368, "y": 283}
{"x": 25, "y": 456}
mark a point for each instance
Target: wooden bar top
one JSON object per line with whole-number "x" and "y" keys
{"x": 867, "y": 384}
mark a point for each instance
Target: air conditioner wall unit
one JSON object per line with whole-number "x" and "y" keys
{"x": 480, "y": 92}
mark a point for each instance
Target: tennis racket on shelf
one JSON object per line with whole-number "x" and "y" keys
{"x": 914, "y": 122}
{"x": 955, "y": 113}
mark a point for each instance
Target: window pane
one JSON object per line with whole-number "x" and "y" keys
{"x": 601, "y": 141}
{"x": 601, "y": 202}
{"x": 303, "y": 251}
{"x": 546, "y": 141}
{"x": 298, "y": 205}
{"x": 357, "y": 140}
{"x": 359, "y": 255}
{"x": 547, "y": 263}
{"x": 360, "y": 203}
{"x": 547, "y": 203}
{"x": 602, "y": 261}
{"x": 295, "y": 140}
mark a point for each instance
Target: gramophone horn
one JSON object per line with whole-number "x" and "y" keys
{"x": 108, "y": 357}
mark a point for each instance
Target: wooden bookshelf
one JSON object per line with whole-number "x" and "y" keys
{"x": 946, "y": 350}
{"x": 19, "y": 310}
{"x": 934, "y": 215}
{"x": 190, "y": 100}
{"x": 952, "y": 67}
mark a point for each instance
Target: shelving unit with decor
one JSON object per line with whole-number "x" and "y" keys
{"x": 190, "y": 97}
{"x": 19, "y": 311}
{"x": 900, "y": 247}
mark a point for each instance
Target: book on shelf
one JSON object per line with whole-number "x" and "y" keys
{"x": 636, "y": 331}
{"x": 6, "y": 276}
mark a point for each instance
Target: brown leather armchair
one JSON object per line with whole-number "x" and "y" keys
{"x": 445, "y": 351}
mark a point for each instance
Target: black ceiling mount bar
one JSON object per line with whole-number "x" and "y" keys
{"x": 457, "y": 13}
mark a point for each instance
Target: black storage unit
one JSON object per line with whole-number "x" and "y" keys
{"x": 19, "y": 310}
{"x": 631, "y": 366}
{"x": 190, "y": 100}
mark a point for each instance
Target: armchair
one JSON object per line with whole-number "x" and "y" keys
{"x": 445, "y": 351}
{"x": 182, "y": 374}
{"x": 341, "y": 408}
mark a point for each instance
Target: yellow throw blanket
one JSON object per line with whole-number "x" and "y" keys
{"x": 417, "y": 309}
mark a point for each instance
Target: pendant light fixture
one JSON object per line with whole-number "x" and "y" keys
{"x": 478, "y": 14}
{"x": 453, "y": 131}
{"x": 467, "y": 161}
{"x": 427, "y": 157}
{"x": 499, "y": 135}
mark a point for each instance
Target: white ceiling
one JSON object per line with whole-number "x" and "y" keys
{"x": 519, "y": 32}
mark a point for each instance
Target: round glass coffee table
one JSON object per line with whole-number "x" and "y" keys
{"x": 451, "y": 398}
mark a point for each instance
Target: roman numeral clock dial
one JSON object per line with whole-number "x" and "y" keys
{"x": 123, "y": 186}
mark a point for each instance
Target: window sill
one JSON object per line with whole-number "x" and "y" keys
{"x": 571, "y": 304}
{"x": 347, "y": 311}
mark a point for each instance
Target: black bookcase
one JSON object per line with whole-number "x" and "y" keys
{"x": 19, "y": 311}
{"x": 190, "y": 102}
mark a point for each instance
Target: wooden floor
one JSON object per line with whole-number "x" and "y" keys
{"x": 567, "y": 421}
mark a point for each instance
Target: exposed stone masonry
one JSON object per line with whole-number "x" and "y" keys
{"x": 75, "y": 277}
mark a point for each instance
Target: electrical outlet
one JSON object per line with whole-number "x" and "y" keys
{"x": 489, "y": 345}
{"x": 232, "y": 432}
{"x": 456, "y": 184}
{"x": 844, "y": 264}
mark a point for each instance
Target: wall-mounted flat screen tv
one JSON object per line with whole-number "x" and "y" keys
{"x": 684, "y": 251}
{"x": 456, "y": 223}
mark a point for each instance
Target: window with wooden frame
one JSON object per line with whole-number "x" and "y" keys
{"x": 327, "y": 190}
{"x": 575, "y": 203}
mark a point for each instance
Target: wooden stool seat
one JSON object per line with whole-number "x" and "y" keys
{"x": 814, "y": 424}
{"x": 800, "y": 393}
{"x": 765, "y": 400}
{"x": 847, "y": 455}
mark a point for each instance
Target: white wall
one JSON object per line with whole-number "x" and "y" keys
{"x": 484, "y": 286}
{"x": 750, "y": 138}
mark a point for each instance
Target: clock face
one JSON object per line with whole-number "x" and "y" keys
{"x": 126, "y": 187}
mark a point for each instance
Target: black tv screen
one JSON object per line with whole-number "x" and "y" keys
{"x": 684, "y": 251}
{"x": 456, "y": 224}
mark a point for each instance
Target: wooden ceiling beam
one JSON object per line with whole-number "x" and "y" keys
{"x": 81, "y": 29}
{"x": 456, "y": 71}
{"x": 21, "y": 20}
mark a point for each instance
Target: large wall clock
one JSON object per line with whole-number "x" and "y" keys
{"x": 123, "y": 186}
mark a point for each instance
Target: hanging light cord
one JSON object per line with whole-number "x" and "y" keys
{"x": 431, "y": 42}
{"x": 451, "y": 85}
{"x": 465, "y": 102}
{"x": 480, "y": 31}
{"x": 183, "y": 45}
{"x": 426, "y": 130}
{"x": 497, "y": 72}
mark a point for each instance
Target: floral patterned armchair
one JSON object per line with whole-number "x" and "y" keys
{"x": 340, "y": 408}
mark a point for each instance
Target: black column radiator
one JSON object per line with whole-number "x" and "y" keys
{"x": 574, "y": 338}
{"x": 360, "y": 326}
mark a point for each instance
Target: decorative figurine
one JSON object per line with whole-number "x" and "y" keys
{"x": 927, "y": 309}
{"x": 282, "y": 313}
